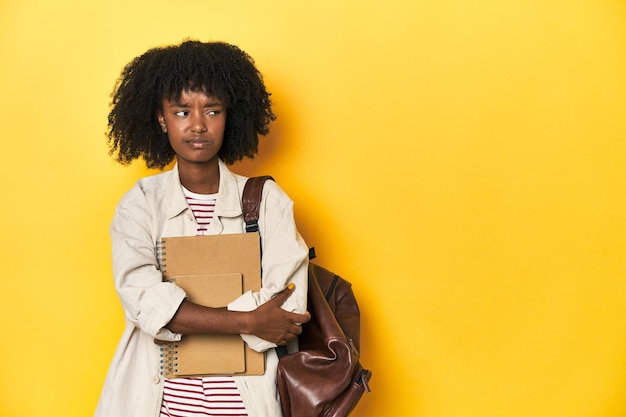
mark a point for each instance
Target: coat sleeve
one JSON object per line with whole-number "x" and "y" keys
{"x": 148, "y": 302}
{"x": 284, "y": 259}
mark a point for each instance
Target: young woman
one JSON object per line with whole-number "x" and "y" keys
{"x": 203, "y": 105}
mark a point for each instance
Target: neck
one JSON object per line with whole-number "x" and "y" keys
{"x": 200, "y": 178}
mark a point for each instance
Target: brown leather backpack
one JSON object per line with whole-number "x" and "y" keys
{"x": 325, "y": 377}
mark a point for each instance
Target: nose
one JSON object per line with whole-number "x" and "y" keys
{"x": 198, "y": 123}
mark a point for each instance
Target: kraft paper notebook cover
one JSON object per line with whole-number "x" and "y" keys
{"x": 221, "y": 354}
{"x": 219, "y": 254}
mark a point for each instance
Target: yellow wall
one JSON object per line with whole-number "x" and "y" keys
{"x": 463, "y": 163}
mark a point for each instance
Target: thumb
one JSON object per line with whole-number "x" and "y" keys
{"x": 284, "y": 294}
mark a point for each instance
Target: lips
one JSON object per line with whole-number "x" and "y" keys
{"x": 199, "y": 143}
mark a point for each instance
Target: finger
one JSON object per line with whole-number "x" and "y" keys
{"x": 290, "y": 336}
{"x": 296, "y": 330}
{"x": 301, "y": 318}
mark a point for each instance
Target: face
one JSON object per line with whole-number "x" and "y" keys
{"x": 195, "y": 126}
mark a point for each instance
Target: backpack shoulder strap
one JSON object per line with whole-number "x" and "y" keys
{"x": 251, "y": 200}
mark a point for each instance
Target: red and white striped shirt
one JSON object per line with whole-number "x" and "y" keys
{"x": 203, "y": 208}
{"x": 207, "y": 396}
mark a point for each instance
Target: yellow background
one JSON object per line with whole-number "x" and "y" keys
{"x": 463, "y": 163}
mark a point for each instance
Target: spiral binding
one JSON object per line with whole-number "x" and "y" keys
{"x": 169, "y": 359}
{"x": 160, "y": 254}
{"x": 169, "y": 351}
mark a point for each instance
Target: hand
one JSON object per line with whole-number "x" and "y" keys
{"x": 272, "y": 323}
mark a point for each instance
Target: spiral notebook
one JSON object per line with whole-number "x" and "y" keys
{"x": 213, "y": 271}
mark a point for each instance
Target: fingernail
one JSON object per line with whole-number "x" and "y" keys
{"x": 291, "y": 286}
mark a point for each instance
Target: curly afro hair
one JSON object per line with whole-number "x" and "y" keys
{"x": 218, "y": 69}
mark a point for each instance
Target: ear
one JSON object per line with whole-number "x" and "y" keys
{"x": 161, "y": 120}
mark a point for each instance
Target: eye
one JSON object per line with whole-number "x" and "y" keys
{"x": 213, "y": 112}
{"x": 181, "y": 113}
